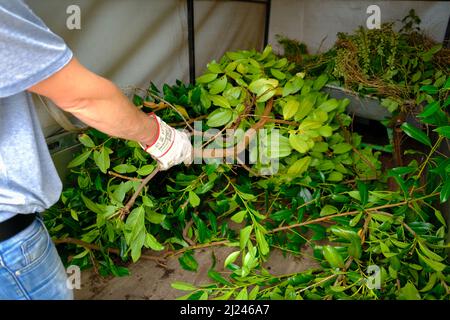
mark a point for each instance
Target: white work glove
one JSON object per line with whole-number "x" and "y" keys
{"x": 171, "y": 147}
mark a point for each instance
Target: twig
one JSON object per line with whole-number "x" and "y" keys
{"x": 317, "y": 283}
{"x": 112, "y": 173}
{"x": 241, "y": 146}
{"x": 91, "y": 246}
{"x": 393, "y": 205}
{"x": 349, "y": 261}
{"x": 291, "y": 123}
{"x": 198, "y": 246}
{"x": 123, "y": 212}
{"x": 173, "y": 107}
{"x": 247, "y": 109}
{"x": 185, "y": 232}
{"x": 436, "y": 145}
{"x": 176, "y": 124}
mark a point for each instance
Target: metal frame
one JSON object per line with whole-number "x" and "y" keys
{"x": 191, "y": 30}
{"x": 447, "y": 35}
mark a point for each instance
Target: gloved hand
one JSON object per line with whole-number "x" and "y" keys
{"x": 171, "y": 146}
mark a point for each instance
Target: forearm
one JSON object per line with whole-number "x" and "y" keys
{"x": 112, "y": 113}
{"x": 97, "y": 102}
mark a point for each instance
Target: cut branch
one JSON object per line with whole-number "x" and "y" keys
{"x": 112, "y": 173}
{"x": 123, "y": 212}
{"x": 91, "y": 246}
{"x": 349, "y": 213}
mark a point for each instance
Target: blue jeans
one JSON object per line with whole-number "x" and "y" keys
{"x": 30, "y": 267}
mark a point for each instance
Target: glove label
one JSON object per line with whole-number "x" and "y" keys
{"x": 164, "y": 142}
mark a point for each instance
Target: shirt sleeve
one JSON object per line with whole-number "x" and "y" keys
{"x": 29, "y": 51}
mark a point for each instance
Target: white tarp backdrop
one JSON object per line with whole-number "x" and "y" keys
{"x": 313, "y": 21}
{"x": 134, "y": 42}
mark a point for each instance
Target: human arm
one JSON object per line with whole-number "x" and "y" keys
{"x": 100, "y": 104}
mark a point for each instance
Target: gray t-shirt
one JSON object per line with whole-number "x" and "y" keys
{"x": 29, "y": 53}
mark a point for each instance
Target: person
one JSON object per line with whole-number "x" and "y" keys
{"x": 35, "y": 60}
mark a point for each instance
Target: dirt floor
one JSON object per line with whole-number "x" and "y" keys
{"x": 147, "y": 280}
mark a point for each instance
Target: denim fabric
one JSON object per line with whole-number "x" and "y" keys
{"x": 30, "y": 268}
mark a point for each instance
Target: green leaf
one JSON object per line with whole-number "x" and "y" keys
{"x": 290, "y": 108}
{"x": 91, "y": 205}
{"x": 430, "y": 284}
{"x": 121, "y": 190}
{"x": 214, "y": 67}
{"x": 188, "y": 262}
{"x": 238, "y": 217}
{"x": 320, "y": 82}
{"x": 435, "y": 265}
{"x": 355, "y": 248}
{"x": 341, "y": 148}
{"x": 430, "y": 109}
{"x": 408, "y": 292}
{"x": 447, "y": 84}
{"x": 81, "y": 254}
{"x": 155, "y": 217}
{"x": 152, "y": 243}
{"x": 194, "y": 199}
{"x": 79, "y": 160}
{"x": 231, "y": 258}
{"x": 278, "y": 74}
{"x": 335, "y": 176}
{"x": 326, "y": 131}
{"x": 86, "y": 140}
{"x": 443, "y": 131}
{"x": 299, "y": 166}
{"x": 328, "y": 210}
{"x": 124, "y": 168}
{"x": 102, "y": 159}
{"x": 245, "y": 236}
{"x": 355, "y": 220}
{"x": 298, "y": 143}
{"x": 206, "y": 78}
{"x": 363, "y": 192}
{"x": 281, "y": 215}
{"x": 146, "y": 170}
{"x": 262, "y": 242}
{"x": 220, "y": 101}
{"x": 416, "y": 134}
{"x": 218, "y": 85}
{"x": 445, "y": 191}
{"x": 306, "y": 105}
{"x": 135, "y": 232}
{"x": 416, "y": 76}
{"x": 292, "y": 86}
{"x": 333, "y": 257}
{"x": 74, "y": 215}
{"x": 329, "y": 105}
{"x": 401, "y": 171}
{"x": 439, "y": 216}
{"x": 214, "y": 275}
{"x": 242, "y": 295}
{"x": 184, "y": 286}
{"x": 386, "y": 251}
{"x": 219, "y": 117}
{"x": 430, "y": 89}
{"x": 430, "y": 254}
{"x": 263, "y": 88}
{"x": 253, "y": 293}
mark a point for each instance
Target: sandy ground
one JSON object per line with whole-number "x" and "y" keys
{"x": 147, "y": 280}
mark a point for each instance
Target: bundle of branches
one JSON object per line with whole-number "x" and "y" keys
{"x": 386, "y": 63}
{"x": 306, "y": 180}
